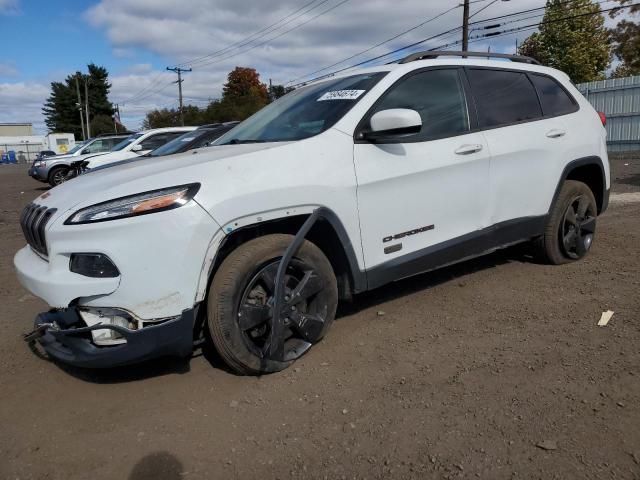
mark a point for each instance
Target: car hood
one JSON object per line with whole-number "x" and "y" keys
{"x": 149, "y": 174}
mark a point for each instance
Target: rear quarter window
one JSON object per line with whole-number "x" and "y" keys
{"x": 554, "y": 98}
{"x": 503, "y": 97}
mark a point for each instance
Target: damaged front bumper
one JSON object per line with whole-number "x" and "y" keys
{"x": 67, "y": 338}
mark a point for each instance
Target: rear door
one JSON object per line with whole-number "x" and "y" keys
{"x": 526, "y": 143}
{"x": 421, "y": 193}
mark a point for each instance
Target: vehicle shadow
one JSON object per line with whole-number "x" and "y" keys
{"x": 158, "y": 466}
{"x": 130, "y": 373}
{"x": 518, "y": 253}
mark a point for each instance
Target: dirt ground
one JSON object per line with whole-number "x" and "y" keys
{"x": 490, "y": 369}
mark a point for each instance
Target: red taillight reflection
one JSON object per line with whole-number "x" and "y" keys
{"x": 603, "y": 118}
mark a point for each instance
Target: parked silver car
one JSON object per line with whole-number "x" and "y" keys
{"x": 53, "y": 170}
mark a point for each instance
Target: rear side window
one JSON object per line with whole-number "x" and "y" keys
{"x": 503, "y": 97}
{"x": 555, "y": 100}
{"x": 438, "y": 96}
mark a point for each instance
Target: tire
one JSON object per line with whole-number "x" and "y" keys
{"x": 568, "y": 236}
{"x": 238, "y": 312}
{"x": 57, "y": 176}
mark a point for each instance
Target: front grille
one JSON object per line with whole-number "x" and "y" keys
{"x": 33, "y": 221}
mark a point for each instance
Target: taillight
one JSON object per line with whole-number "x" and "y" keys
{"x": 603, "y": 118}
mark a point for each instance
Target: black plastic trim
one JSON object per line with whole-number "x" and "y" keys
{"x": 456, "y": 250}
{"x": 580, "y": 162}
{"x": 72, "y": 345}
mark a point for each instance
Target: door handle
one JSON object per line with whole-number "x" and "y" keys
{"x": 555, "y": 133}
{"x": 467, "y": 149}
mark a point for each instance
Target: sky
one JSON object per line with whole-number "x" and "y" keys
{"x": 285, "y": 40}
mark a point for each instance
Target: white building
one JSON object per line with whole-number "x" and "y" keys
{"x": 20, "y": 138}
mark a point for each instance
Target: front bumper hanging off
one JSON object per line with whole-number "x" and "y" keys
{"x": 61, "y": 337}
{"x": 65, "y": 337}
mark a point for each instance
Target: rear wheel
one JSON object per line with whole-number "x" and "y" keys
{"x": 58, "y": 175}
{"x": 571, "y": 227}
{"x": 241, "y": 298}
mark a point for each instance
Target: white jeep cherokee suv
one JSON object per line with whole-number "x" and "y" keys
{"x": 339, "y": 187}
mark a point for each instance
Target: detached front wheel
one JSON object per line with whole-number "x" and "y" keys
{"x": 241, "y": 299}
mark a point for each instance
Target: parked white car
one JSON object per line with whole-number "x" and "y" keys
{"x": 339, "y": 187}
{"x": 138, "y": 144}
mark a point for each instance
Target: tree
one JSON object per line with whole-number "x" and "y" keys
{"x": 277, "y": 91}
{"x": 242, "y": 96}
{"x": 102, "y": 124}
{"x": 572, "y": 38}
{"x": 625, "y": 38}
{"x": 61, "y": 110}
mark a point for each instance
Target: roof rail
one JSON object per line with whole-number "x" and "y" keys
{"x": 430, "y": 54}
{"x": 119, "y": 134}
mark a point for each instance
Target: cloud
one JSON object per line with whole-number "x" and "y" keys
{"x": 22, "y": 102}
{"x": 7, "y": 70}
{"x": 180, "y": 33}
{"x": 9, "y": 7}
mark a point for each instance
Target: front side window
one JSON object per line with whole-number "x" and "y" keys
{"x": 126, "y": 142}
{"x": 503, "y": 97}
{"x": 95, "y": 147}
{"x": 304, "y": 112}
{"x": 437, "y": 95}
{"x": 555, "y": 100}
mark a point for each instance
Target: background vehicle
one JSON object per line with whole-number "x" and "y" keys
{"x": 45, "y": 153}
{"x": 336, "y": 188}
{"x": 53, "y": 170}
{"x": 201, "y": 137}
{"x": 138, "y": 144}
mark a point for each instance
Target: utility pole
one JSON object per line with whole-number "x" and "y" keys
{"x": 116, "y": 114}
{"x": 86, "y": 104}
{"x": 79, "y": 105}
{"x": 465, "y": 26}
{"x": 179, "y": 71}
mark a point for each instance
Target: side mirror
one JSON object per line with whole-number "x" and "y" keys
{"x": 393, "y": 123}
{"x": 85, "y": 151}
{"x": 136, "y": 148}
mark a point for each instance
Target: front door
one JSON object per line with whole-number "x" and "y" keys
{"x": 422, "y": 195}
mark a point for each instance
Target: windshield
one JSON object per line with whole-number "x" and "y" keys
{"x": 174, "y": 145}
{"x": 126, "y": 142}
{"x": 76, "y": 148}
{"x": 303, "y": 113}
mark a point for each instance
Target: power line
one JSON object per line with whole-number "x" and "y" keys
{"x": 256, "y": 35}
{"x": 457, "y": 42}
{"x": 378, "y": 44}
{"x": 324, "y": 12}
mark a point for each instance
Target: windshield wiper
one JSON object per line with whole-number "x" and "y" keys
{"x": 237, "y": 141}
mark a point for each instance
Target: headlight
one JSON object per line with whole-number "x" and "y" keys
{"x": 40, "y": 164}
{"x": 134, "y": 205}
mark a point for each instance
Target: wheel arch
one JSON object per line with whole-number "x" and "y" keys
{"x": 589, "y": 170}
{"x": 328, "y": 234}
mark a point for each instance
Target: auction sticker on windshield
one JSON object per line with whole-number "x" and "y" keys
{"x": 341, "y": 95}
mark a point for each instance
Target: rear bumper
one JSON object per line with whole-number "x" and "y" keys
{"x": 68, "y": 341}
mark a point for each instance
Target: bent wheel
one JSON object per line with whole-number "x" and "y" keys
{"x": 241, "y": 300}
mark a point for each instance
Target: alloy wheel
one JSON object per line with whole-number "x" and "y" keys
{"x": 578, "y": 227}
{"x": 302, "y": 317}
